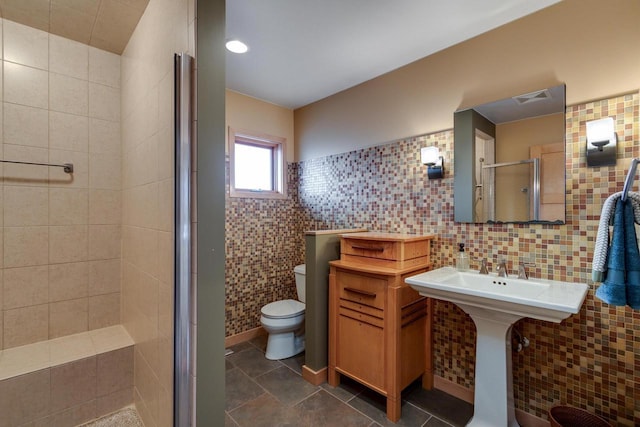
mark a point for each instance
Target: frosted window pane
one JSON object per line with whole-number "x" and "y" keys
{"x": 253, "y": 168}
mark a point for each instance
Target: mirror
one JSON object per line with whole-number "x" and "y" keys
{"x": 509, "y": 160}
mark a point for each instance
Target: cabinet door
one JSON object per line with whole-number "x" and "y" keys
{"x": 360, "y": 351}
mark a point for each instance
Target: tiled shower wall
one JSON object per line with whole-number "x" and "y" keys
{"x": 592, "y": 359}
{"x": 60, "y": 234}
{"x": 166, "y": 27}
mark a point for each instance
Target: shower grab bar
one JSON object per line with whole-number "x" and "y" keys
{"x": 68, "y": 167}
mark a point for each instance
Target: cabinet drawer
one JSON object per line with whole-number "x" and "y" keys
{"x": 361, "y": 289}
{"x": 370, "y": 248}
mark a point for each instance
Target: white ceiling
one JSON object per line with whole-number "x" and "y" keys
{"x": 301, "y": 51}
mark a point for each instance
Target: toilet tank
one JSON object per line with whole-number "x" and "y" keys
{"x": 300, "y": 272}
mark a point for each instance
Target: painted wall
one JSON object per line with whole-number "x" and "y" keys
{"x": 251, "y": 114}
{"x": 147, "y": 200}
{"x": 60, "y": 234}
{"x": 590, "y": 45}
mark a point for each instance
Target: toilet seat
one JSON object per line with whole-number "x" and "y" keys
{"x": 283, "y": 309}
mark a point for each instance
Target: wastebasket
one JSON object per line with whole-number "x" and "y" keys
{"x": 568, "y": 416}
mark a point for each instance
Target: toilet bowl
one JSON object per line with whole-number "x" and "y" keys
{"x": 284, "y": 322}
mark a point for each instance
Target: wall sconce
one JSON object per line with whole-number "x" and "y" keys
{"x": 431, "y": 157}
{"x": 601, "y": 142}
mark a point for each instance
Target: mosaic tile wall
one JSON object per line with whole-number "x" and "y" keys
{"x": 591, "y": 360}
{"x": 264, "y": 242}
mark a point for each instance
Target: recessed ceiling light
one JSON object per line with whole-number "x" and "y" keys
{"x": 236, "y": 46}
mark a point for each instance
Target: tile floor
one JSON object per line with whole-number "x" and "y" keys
{"x": 261, "y": 392}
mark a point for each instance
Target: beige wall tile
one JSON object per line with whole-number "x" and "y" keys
{"x": 104, "y": 242}
{"x": 104, "y": 310}
{"x": 26, "y": 325}
{"x": 104, "y": 277}
{"x": 68, "y": 206}
{"x": 74, "y": 416}
{"x": 67, "y": 243}
{"x": 166, "y": 153}
{"x": 147, "y": 386}
{"x": 25, "y": 246}
{"x": 68, "y": 281}
{"x": 68, "y": 94}
{"x": 104, "y": 136}
{"x": 104, "y": 67}
{"x": 104, "y": 102}
{"x": 68, "y": 317}
{"x": 24, "y": 398}
{"x": 143, "y": 204}
{"x": 115, "y": 371}
{"x": 25, "y": 85}
{"x": 68, "y": 131}
{"x": 114, "y": 401}
{"x": 25, "y": 45}
{"x": 26, "y": 286}
{"x": 165, "y": 257}
{"x": 80, "y": 176}
{"x": 24, "y": 125}
{"x": 25, "y": 174}
{"x": 68, "y": 57}
{"x": 166, "y": 205}
{"x": 140, "y": 247}
{"x": 105, "y": 207}
{"x": 25, "y": 206}
{"x": 70, "y": 348}
{"x": 105, "y": 171}
{"x": 73, "y": 384}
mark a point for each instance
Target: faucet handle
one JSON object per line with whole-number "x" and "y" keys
{"x": 502, "y": 267}
{"x": 522, "y": 269}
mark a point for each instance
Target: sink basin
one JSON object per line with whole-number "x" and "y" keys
{"x": 540, "y": 299}
{"x": 495, "y": 304}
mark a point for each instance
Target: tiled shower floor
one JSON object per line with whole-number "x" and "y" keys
{"x": 127, "y": 417}
{"x": 261, "y": 392}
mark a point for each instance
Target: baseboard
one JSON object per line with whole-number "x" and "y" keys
{"x": 244, "y": 336}
{"x": 455, "y": 390}
{"x": 314, "y": 377}
{"x": 466, "y": 394}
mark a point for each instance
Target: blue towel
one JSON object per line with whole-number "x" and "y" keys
{"x": 631, "y": 257}
{"x": 613, "y": 289}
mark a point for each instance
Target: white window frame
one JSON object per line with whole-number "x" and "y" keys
{"x": 278, "y": 145}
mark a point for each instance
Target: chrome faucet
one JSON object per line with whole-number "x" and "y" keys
{"x": 522, "y": 269}
{"x": 502, "y": 268}
{"x": 483, "y": 266}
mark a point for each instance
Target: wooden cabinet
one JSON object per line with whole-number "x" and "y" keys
{"x": 379, "y": 327}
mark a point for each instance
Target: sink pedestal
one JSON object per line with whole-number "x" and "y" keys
{"x": 493, "y": 395}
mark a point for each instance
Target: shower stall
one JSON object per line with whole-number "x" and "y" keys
{"x": 87, "y": 224}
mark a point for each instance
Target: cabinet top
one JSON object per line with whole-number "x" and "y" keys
{"x": 394, "y": 237}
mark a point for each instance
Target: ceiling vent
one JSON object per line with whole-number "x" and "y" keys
{"x": 528, "y": 98}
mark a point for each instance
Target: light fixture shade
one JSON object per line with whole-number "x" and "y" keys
{"x": 431, "y": 157}
{"x": 236, "y": 46}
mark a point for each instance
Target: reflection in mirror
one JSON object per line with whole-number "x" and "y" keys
{"x": 509, "y": 159}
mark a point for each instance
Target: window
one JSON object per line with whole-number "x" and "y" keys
{"x": 256, "y": 165}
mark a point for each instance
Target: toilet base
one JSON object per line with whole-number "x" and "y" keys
{"x": 284, "y": 345}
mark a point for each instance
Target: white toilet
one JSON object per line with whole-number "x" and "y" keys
{"x": 284, "y": 321}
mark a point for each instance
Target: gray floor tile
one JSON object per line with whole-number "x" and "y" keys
{"x": 321, "y": 409}
{"x": 252, "y": 362}
{"x": 287, "y": 386}
{"x": 345, "y": 390}
{"x": 374, "y": 406}
{"x": 295, "y": 363}
{"x": 444, "y": 406}
{"x": 260, "y": 342}
{"x": 228, "y": 421}
{"x": 239, "y": 389}
{"x": 435, "y": 422}
{"x": 265, "y": 411}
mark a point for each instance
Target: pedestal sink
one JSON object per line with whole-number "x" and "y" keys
{"x": 495, "y": 304}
